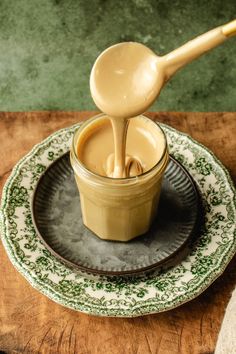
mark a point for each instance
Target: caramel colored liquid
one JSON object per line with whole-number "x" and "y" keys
{"x": 119, "y": 209}
{"x": 119, "y": 127}
{"x": 124, "y": 82}
{"x": 118, "y": 83}
{"x": 127, "y": 78}
{"x": 143, "y": 147}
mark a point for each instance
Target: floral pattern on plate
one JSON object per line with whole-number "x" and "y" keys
{"x": 161, "y": 290}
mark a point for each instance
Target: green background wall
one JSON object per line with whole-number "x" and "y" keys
{"x": 47, "y": 48}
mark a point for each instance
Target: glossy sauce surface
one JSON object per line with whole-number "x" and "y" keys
{"x": 144, "y": 146}
{"x": 127, "y": 77}
{"x": 123, "y": 80}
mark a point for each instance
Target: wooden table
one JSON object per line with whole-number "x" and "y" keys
{"x": 31, "y": 323}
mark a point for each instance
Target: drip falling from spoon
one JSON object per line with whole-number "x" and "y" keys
{"x": 127, "y": 78}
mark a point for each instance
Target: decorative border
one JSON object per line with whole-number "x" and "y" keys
{"x": 129, "y": 298}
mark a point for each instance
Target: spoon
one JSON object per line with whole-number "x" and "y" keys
{"x": 127, "y": 77}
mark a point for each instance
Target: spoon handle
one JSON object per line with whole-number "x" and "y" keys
{"x": 181, "y": 56}
{"x": 229, "y": 29}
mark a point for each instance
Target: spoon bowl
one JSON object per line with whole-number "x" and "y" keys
{"x": 127, "y": 77}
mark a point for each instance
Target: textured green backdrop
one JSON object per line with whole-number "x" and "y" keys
{"x": 47, "y": 48}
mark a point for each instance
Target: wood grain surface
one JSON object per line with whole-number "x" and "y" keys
{"x": 31, "y": 323}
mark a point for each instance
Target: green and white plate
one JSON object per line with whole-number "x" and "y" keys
{"x": 161, "y": 290}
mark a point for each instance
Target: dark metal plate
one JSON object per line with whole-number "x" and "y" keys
{"x": 57, "y": 218}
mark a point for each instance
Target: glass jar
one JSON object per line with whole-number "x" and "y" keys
{"x": 118, "y": 208}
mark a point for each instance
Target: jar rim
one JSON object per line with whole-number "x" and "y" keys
{"x": 108, "y": 179}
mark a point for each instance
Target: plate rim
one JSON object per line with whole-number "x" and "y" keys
{"x": 141, "y": 310}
